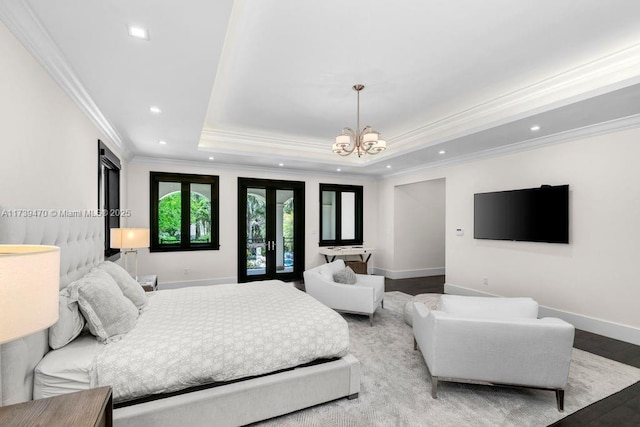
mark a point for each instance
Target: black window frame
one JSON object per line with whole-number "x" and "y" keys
{"x": 109, "y": 167}
{"x": 339, "y": 189}
{"x": 185, "y": 181}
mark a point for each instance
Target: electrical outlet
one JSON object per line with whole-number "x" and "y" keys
{"x": 485, "y": 281}
{"x": 186, "y": 271}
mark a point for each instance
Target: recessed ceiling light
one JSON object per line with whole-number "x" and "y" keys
{"x": 138, "y": 32}
{"x": 442, "y": 152}
{"x": 535, "y": 128}
{"x": 388, "y": 166}
{"x": 281, "y": 164}
{"x": 210, "y": 157}
{"x": 162, "y": 142}
{"x": 338, "y": 170}
{"x": 155, "y": 110}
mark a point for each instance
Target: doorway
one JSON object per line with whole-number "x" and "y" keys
{"x": 270, "y": 229}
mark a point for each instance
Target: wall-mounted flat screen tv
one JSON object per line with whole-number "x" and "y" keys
{"x": 531, "y": 215}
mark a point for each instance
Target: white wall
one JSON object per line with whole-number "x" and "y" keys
{"x": 594, "y": 279}
{"x": 419, "y": 229}
{"x": 48, "y": 147}
{"x": 207, "y": 267}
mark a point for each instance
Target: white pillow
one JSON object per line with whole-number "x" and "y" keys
{"x": 70, "y": 322}
{"x": 109, "y": 314}
{"x": 128, "y": 285}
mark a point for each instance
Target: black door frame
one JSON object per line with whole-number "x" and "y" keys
{"x": 271, "y": 185}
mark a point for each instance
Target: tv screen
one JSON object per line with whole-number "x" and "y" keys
{"x": 531, "y": 215}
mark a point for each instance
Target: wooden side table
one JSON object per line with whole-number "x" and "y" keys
{"x": 89, "y": 408}
{"x": 149, "y": 283}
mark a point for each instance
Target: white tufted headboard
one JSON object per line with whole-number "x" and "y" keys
{"x": 81, "y": 242}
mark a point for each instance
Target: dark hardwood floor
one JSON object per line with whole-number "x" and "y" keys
{"x": 619, "y": 410}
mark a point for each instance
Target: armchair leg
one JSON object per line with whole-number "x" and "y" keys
{"x": 434, "y": 387}
{"x": 415, "y": 344}
{"x": 382, "y": 304}
{"x": 560, "y": 400}
{"x": 371, "y": 319}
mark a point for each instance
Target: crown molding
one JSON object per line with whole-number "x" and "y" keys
{"x": 238, "y": 167}
{"x": 614, "y": 71}
{"x": 237, "y": 143}
{"x": 210, "y": 137}
{"x": 611, "y": 72}
{"x": 26, "y": 27}
{"x": 530, "y": 144}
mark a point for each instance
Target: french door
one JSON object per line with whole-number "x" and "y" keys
{"x": 270, "y": 229}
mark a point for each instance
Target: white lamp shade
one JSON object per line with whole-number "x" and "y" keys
{"x": 379, "y": 146}
{"x": 130, "y": 238}
{"x": 342, "y": 140}
{"x": 370, "y": 137}
{"x": 29, "y": 286}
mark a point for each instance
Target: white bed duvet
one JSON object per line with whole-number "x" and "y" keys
{"x": 198, "y": 335}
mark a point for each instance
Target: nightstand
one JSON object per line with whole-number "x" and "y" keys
{"x": 89, "y": 408}
{"x": 149, "y": 283}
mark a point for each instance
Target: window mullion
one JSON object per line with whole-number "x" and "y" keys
{"x": 185, "y": 222}
{"x": 338, "y": 216}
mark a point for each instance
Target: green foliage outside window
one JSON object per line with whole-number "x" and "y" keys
{"x": 200, "y": 218}
{"x": 169, "y": 217}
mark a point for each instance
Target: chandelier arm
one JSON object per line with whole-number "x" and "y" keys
{"x": 350, "y": 131}
{"x": 349, "y": 149}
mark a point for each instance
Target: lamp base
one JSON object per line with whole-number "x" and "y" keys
{"x": 127, "y": 255}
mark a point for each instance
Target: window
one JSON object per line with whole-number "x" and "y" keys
{"x": 109, "y": 195}
{"x": 340, "y": 215}
{"x": 184, "y": 212}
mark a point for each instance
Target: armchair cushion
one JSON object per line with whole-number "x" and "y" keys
{"x": 489, "y": 307}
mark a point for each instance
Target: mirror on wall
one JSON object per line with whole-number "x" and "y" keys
{"x": 340, "y": 215}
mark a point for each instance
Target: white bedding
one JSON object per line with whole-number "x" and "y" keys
{"x": 67, "y": 369}
{"x": 198, "y": 335}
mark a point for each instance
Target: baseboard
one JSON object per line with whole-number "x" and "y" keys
{"x": 590, "y": 324}
{"x": 409, "y": 274}
{"x": 202, "y": 282}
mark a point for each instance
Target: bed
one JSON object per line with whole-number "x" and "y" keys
{"x": 233, "y": 396}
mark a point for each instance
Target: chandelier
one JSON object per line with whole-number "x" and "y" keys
{"x": 365, "y": 141}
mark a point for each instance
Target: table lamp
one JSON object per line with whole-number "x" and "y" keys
{"x": 130, "y": 239}
{"x": 29, "y": 287}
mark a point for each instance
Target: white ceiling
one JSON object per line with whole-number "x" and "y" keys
{"x": 266, "y": 82}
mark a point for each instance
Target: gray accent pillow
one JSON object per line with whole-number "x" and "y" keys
{"x": 70, "y": 322}
{"x": 109, "y": 314}
{"x": 128, "y": 285}
{"x": 345, "y": 276}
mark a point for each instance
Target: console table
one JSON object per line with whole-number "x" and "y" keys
{"x": 334, "y": 251}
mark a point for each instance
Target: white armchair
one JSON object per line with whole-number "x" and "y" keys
{"x": 493, "y": 341}
{"x": 364, "y": 297}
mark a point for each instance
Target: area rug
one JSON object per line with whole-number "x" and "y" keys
{"x": 395, "y": 389}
